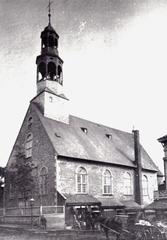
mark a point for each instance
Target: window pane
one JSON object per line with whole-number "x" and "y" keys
{"x": 28, "y": 145}
{"x": 81, "y": 180}
{"x": 127, "y": 184}
{"x": 79, "y": 188}
{"x": 107, "y": 182}
{"x": 84, "y": 188}
{"x": 78, "y": 178}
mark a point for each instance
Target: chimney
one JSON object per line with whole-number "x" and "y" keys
{"x": 138, "y": 170}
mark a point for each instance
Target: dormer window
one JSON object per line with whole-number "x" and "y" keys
{"x": 109, "y": 136}
{"x": 85, "y": 130}
{"x": 57, "y": 135}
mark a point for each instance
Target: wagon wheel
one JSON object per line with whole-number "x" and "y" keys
{"x": 156, "y": 233}
{"x": 150, "y": 233}
{"x": 143, "y": 234}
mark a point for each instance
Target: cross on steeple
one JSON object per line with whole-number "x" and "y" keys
{"x": 49, "y": 11}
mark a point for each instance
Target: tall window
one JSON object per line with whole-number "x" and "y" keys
{"x": 30, "y": 120}
{"x": 145, "y": 185}
{"x": 107, "y": 182}
{"x": 81, "y": 180}
{"x": 127, "y": 184}
{"x": 28, "y": 145}
{"x": 43, "y": 181}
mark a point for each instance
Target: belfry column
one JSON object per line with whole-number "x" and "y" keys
{"x": 163, "y": 141}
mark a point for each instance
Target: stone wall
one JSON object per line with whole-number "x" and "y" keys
{"x": 66, "y": 179}
{"x": 43, "y": 155}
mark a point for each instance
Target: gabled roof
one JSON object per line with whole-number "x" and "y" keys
{"x": 71, "y": 141}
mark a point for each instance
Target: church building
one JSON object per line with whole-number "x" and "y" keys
{"x": 76, "y": 162}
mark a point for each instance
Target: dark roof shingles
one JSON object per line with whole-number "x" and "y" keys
{"x": 94, "y": 145}
{"x": 81, "y": 199}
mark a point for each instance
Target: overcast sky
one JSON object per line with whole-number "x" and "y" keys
{"x": 115, "y": 64}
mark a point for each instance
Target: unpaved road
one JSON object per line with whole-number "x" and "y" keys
{"x": 11, "y": 234}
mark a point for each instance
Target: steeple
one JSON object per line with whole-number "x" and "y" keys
{"x": 49, "y": 64}
{"x": 49, "y": 12}
{"x": 50, "y": 94}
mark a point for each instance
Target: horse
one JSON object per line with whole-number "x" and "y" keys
{"x": 113, "y": 224}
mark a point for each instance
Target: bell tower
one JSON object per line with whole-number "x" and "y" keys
{"x": 50, "y": 94}
{"x": 49, "y": 64}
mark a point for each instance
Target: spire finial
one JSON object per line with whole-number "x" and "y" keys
{"x": 49, "y": 11}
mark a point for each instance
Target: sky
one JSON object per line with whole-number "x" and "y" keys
{"x": 115, "y": 64}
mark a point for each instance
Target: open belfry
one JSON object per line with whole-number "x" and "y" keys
{"x": 76, "y": 163}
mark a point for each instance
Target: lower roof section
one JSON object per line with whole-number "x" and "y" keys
{"x": 108, "y": 202}
{"x": 104, "y": 202}
{"x": 81, "y": 200}
{"x": 131, "y": 205}
{"x": 158, "y": 204}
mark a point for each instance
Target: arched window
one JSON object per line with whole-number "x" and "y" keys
{"x": 43, "y": 181}
{"x": 44, "y": 41}
{"x": 107, "y": 182}
{"x": 127, "y": 184}
{"x": 41, "y": 71}
{"x": 81, "y": 178}
{"x": 28, "y": 145}
{"x": 60, "y": 75}
{"x": 56, "y": 43}
{"x": 145, "y": 185}
{"x": 51, "y": 70}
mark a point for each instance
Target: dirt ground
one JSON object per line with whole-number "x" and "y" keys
{"x": 12, "y": 234}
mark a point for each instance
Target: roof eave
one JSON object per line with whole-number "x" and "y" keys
{"x": 94, "y": 161}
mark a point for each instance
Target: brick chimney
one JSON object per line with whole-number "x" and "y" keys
{"x": 138, "y": 170}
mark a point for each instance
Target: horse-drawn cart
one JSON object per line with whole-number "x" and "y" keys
{"x": 139, "y": 231}
{"x": 147, "y": 232}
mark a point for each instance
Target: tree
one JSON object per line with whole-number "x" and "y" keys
{"x": 23, "y": 178}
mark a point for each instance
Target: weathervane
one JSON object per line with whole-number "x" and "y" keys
{"x": 49, "y": 11}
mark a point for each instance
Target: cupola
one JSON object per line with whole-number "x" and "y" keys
{"x": 49, "y": 64}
